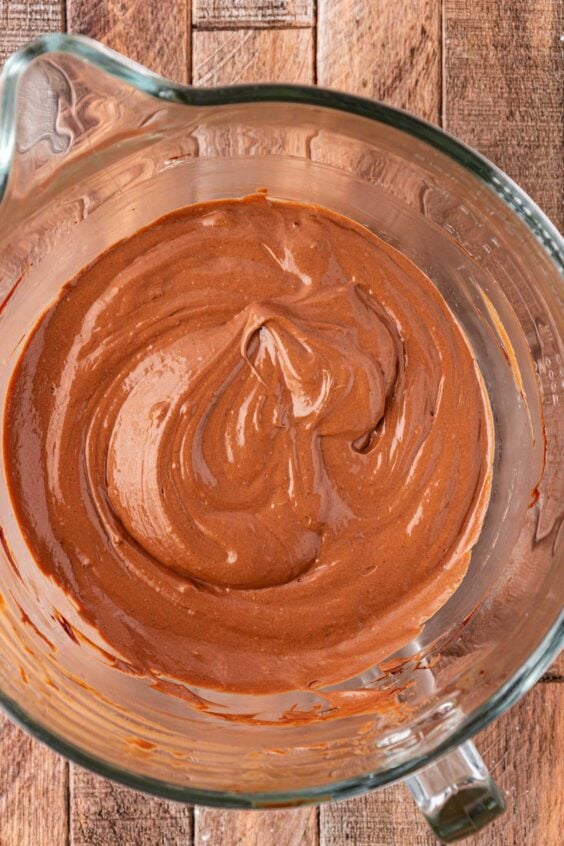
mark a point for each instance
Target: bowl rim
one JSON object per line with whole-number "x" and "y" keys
{"x": 507, "y": 190}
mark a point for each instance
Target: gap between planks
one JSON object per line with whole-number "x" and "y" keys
{"x": 252, "y": 14}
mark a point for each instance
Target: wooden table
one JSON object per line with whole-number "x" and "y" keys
{"x": 489, "y": 71}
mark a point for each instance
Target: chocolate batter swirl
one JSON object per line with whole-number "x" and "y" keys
{"x": 252, "y": 443}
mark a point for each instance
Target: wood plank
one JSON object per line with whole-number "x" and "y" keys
{"x": 387, "y": 817}
{"x": 106, "y": 814}
{"x": 25, "y": 20}
{"x": 390, "y": 50}
{"x": 211, "y": 14}
{"x": 33, "y": 791}
{"x": 33, "y": 780}
{"x": 523, "y": 752}
{"x": 223, "y": 57}
{"x": 255, "y": 828}
{"x": 503, "y": 89}
{"x": 156, "y": 34}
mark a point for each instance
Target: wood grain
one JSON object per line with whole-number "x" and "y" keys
{"x": 33, "y": 779}
{"x": 501, "y": 92}
{"x": 210, "y": 14}
{"x": 523, "y": 752}
{"x": 247, "y": 55}
{"x": 157, "y": 34}
{"x": 504, "y": 88}
{"x": 106, "y": 814}
{"x": 386, "y": 818}
{"x": 255, "y": 828}
{"x": 23, "y": 21}
{"x": 390, "y": 50}
{"x": 33, "y": 791}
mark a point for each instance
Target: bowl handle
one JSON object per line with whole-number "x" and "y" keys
{"x": 456, "y": 794}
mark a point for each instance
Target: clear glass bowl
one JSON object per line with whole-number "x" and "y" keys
{"x": 92, "y": 147}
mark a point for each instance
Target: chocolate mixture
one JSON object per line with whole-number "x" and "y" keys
{"x": 253, "y": 445}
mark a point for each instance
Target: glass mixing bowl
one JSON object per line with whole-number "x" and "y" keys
{"x": 92, "y": 147}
